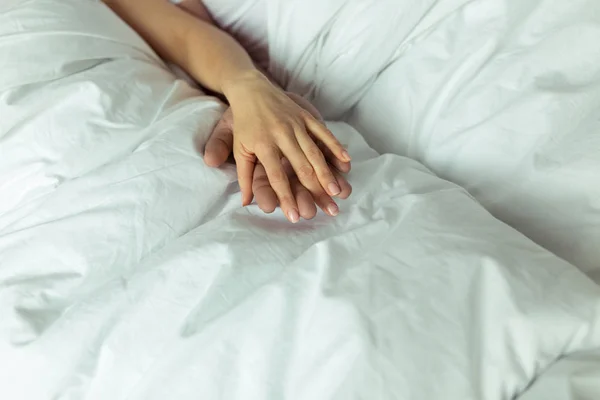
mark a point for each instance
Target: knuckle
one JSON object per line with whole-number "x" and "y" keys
{"x": 277, "y": 178}
{"x": 328, "y": 133}
{"x": 222, "y": 142}
{"x": 314, "y": 153}
{"x": 305, "y": 172}
{"x": 260, "y": 182}
{"x": 287, "y": 199}
{"x": 264, "y": 147}
{"x": 325, "y": 131}
{"x": 327, "y": 176}
{"x": 306, "y": 114}
{"x": 280, "y": 128}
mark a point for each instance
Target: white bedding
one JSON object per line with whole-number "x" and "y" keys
{"x": 129, "y": 271}
{"x": 576, "y": 377}
{"x": 499, "y": 96}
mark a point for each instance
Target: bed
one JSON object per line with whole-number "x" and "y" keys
{"x": 499, "y": 96}
{"x": 128, "y": 270}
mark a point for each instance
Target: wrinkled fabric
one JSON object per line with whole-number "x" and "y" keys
{"x": 128, "y": 269}
{"x": 499, "y": 96}
{"x": 576, "y": 377}
{"x": 503, "y": 98}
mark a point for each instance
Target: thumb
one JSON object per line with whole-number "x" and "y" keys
{"x": 219, "y": 144}
{"x": 245, "y": 163}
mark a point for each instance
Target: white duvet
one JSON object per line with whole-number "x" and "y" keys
{"x": 129, "y": 271}
{"x": 499, "y": 96}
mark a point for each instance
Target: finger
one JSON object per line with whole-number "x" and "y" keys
{"x": 332, "y": 209}
{"x": 317, "y": 160}
{"x": 306, "y": 203}
{"x": 271, "y": 159}
{"x": 323, "y": 134}
{"x": 333, "y": 160}
{"x": 306, "y": 174}
{"x": 344, "y": 185}
{"x": 220, "y": 143}
{"x": 305, "y": 104}
{"x": 245, "y": 163}
{"x": 263, "y": 192}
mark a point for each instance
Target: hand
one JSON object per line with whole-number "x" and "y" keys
{"x": 219, "y": 147}
{"x": 267, "y": 199}
{"x": 269, "y": 126}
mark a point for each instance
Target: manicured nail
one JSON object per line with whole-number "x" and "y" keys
{"x": 334, "y": 189}
{"x": 346, "y": 156}
{"x": 333, "y": 209}
{"x": 294, "y": 216}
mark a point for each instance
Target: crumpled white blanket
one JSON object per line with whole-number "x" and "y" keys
{"x": 499, "y": 96}
{"x": 128, "y": 270}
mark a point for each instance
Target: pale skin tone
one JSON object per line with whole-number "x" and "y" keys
{"x": 280, "y": 145}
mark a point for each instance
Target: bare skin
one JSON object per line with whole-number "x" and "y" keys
{"x": 267, "y": 125}
{"x": 218, "y": 150}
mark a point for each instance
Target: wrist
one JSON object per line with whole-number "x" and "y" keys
{"x": 241, "y": 79}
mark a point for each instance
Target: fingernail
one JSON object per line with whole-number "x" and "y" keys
{"x": 334, "y": 189}
{"x": 346, "y": 156}
{"x": 333, "y": 209}
{"x": 294, "y": 216}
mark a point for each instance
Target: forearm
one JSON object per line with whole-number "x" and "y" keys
{"x": 197, "y": 9}
{"x": 208, "y": 54}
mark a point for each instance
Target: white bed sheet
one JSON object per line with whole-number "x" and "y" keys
{"x": 129, "y": 271}
{"x": 503, "y": 98}
{"x": 416, "y": 78}
{"x": 499, "y": 96}
{"x": 576, "y": 377}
